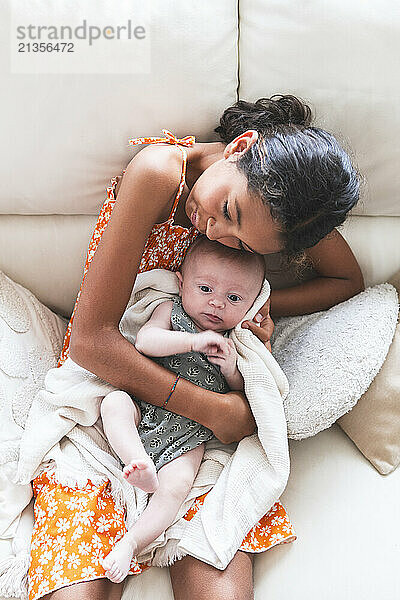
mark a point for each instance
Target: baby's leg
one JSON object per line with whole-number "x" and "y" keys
{"x": 120, "y": 416}
{"x": 176, "y": 480}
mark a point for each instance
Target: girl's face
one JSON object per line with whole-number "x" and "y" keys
{"x": 220, "y": 206}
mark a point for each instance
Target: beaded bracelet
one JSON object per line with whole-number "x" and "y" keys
{"x": 171, "y": 392}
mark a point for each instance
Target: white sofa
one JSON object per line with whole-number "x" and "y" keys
{"x": 64, "y": 135}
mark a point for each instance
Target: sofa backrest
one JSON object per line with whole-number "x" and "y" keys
{"x": 342, "y": 57}
{"x": 64, "y": 135}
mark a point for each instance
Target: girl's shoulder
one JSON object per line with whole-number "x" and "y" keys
{"x": 154, "y": 173}
{"x": 162, "y": 159}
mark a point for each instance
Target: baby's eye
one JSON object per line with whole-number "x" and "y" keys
{"x": 225, "y": 211}
{"x": 205, "y": 288}
{"x": 234, "y": 298}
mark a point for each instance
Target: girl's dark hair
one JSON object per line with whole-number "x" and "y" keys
{"x": 301, "y": 172}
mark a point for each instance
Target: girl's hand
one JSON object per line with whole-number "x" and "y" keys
{"x": 225, "y": 359}
{"x": 262, "y": 325}
{"x": 210, "y": 343}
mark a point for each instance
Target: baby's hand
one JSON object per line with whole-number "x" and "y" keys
{"x": 226, "y": 359}
{"x": 209, "y": 342}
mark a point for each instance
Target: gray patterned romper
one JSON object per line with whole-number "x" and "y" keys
{"x": 164, "y": 434}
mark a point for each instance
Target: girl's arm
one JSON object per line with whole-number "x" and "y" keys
{"x": 144, "y": 198}
{"x": 339, "y": 278}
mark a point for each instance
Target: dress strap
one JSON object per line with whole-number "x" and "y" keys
{"x": 169, "y": 138}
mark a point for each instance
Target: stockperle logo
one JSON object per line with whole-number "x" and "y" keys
{"x": 56, "y": 37}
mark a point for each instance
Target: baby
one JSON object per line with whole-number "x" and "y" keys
{"x": 162, "y": 451}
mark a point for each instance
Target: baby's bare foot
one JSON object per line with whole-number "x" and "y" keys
{"x": 142, "y": 473}
{"x": 117, "y": 563}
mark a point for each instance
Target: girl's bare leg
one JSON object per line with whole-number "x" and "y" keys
{"x": 98, "y": 589}
{"x": 120, "y": 416}
{"x": 176, "y": 480}
{"x": 194, "y": 580}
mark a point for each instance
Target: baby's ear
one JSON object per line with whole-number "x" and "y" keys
{"x": 180, "y": 279}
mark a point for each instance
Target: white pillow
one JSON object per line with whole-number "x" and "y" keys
{"x": 31, "y": 336}
{"x": 330, "y": 358}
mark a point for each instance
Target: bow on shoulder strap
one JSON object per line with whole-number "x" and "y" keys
{"x": 169, "y": 138}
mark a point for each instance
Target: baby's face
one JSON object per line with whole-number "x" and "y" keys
{"x": 216, "y": 293}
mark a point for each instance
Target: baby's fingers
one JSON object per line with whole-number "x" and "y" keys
{"x": 222, "y": 347}
{"x": 217, "y": 360}
{"x": 212, "y": 349}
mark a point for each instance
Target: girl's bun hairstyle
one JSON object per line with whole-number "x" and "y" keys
{"x": 261, "y": 115}
{"x": 301, "y": 172}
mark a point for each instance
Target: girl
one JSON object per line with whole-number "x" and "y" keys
{"x": 273, "y": 183}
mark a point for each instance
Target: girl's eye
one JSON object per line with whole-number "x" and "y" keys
{"x": 234, "y": 298}
{"x": 225, "y": 211}
{"x": 205, "y": 288}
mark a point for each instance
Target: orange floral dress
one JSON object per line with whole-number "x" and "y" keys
{"x": 75, "y": 528}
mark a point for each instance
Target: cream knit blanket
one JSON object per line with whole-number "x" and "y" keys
{"x": 63, "y": 434}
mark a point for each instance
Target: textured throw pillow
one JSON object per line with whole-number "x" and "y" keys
{"x": 30, "y": 342}
{"x": 331, "y": 357}
{"x": 374, "y": 423}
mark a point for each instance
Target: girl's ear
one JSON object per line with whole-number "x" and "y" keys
{"x": 240, "y": 144}
{"x": 180, "y": 279}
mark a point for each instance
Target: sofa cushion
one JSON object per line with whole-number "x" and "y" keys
{"x": 30, "y": 342}
{"x": 374, "y": 423}
{"x": 331, "y": 357}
